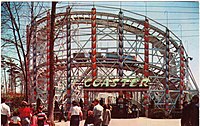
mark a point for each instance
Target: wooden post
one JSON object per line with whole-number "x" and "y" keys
{"x": 51, "y": 86}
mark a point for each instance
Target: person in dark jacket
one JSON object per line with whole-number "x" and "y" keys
{"x": 185, "y": 112}
{"x": 190, "y": 113}
{"x": 90, "y": 116}
{"x": 194, "y": 111}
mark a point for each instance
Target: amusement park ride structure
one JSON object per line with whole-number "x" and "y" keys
{"x": 115, "y": 50}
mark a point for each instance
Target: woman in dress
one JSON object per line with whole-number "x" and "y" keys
{"x": 106, "y": 115}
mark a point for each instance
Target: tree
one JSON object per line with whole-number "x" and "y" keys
{"x": 13, "y": 32}
{"x": 12, "y": 24}
{"x": 12, "y": 11}
{"x": 52, "y": 91}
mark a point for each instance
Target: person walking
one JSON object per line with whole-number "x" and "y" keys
{"x": 106, "y": 115}
{"x": 15, "y": 119}
{"x": 184, "y": 114}
{"x": 5, "y": 112}
{"x": 89, "y": 121}
{"x": 41, "y": 116}
{"x": 98, "y": 113}
{"x": 194, "y": 111}
{"x": 75, "y": 114}
{"x": 62, "y": 113}
{"x": 190, "y": 113}
{"x": 137, "y": 112}
{"x": 25, "y": 114}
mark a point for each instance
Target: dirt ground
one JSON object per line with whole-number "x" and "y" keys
{"x": 142, "y": 121}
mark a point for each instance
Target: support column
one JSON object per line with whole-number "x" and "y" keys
{"x": 146, "y": 61}
{"x": 86, "y": 103}
{"x": 68, "y": 24}
{"x": 94, "y": 43}
{"x": 48, "y": 53}
{"x": 182, "y": 75}
{"x": 167, "y": 70}
{"x": 34, "y": 62}
{"x": 146, "y": 48}
{"x": 120, "y": 50}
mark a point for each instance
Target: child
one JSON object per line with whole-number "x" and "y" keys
{"x": 41, "y": 116}
{"x": 15, "y": 120}
{"x": 25, "y": 113}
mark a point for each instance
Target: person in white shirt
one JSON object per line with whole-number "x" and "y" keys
{"x": 98, "y": 113}
{"x": 75, "y": 114}
{"x": 15, "y": 119}
{"x": 5, "y": 112}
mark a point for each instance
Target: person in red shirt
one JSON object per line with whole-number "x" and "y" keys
{"x": 25, "y": 113}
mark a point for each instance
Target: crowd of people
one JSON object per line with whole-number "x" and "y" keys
{"x": 98, "y": 114}
{"x": 25, "y": 115}
{"x": 190, "y": 112}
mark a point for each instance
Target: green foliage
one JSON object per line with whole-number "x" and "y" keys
{"x": 14, "y": 100}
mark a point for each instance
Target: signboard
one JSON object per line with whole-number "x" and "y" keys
{"x": 117, "y": 83}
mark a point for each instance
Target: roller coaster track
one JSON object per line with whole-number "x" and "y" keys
{"x": 134, "y": 27}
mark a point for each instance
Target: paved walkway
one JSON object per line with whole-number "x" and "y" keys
{"x": 142, "y": 121}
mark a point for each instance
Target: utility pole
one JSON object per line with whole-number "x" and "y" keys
{"x": 51, "y": 88}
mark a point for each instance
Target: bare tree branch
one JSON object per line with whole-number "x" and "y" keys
{"x": 17, "y": 14}
{"x": 15, "y": 27}
{"x": 10, "y": 41}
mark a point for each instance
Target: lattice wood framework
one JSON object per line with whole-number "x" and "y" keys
{"x": 106, "y": 41}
